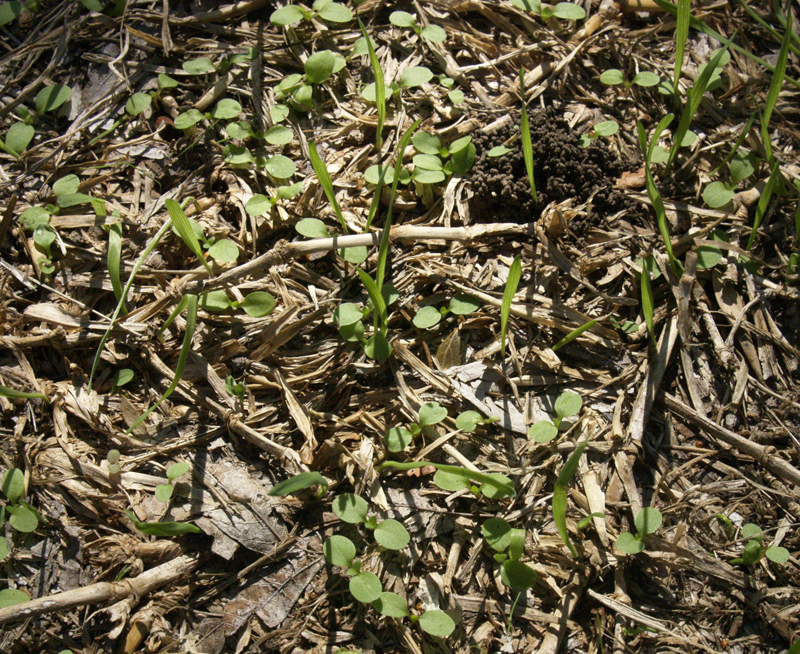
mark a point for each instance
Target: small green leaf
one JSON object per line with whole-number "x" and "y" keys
{"x": 499, "y": 151}
{"x": 299, "y": 482}
{"x": 378, "y": 348}
{"x": 416, "y": 76}
{"x": 437, "y": 623}
{"x": 319, "y": 66}
{"x": 226, "y": 109}
{"x": 360, "y": 46}
{"x": 122, "y": 377}
{"x": 258, "y": 304}
{"x": 198, "y": 66}
{"x": 288, "y": 15}
{"x": 347, "y": 313}
{"x": 9, "y": 11}
{"x": 279, "y": 113}
{"x": 646, "y": 79}
{"x": 434, "y": 34}
{"x": 52, "y": 97}
{"x": 12, "y": 596}
{"x": 350, "y": 508}
{"x": 352, "y": 333}
{"x": 339, "y": 551}
{"x": 424, "y": 176}
{"x": 4, "y": 551}
{"x": 289, "y": 191}
{"x": 647, "y": 521}
{"x": 13, "y": 484}
{"x": 137, "y": 103}
{"x": 512, "y": 283}
{"x": 742, "y": 165}
{"x": 164, "y": 528}
{"x": 335, "y": 13}
{"x": 427, "y": 317}
{"x": 468, "y": 421}
{"x": 660, "y": 155}
{"x": 224, "y": 251}
{"x": 777, "y": 554}
{"x": 497, "y": 533}
{"x": 402, "y": 19}
{"x": 463, "y": 160}
{"x": 32, "y": 217}
{"x": 67, "y": 185}
{"x": 18, "y": 138}
{"x": 280, "y": 167}
{"x": 428, "y": 162}
{"x": 568, "y": 404}
{"x": 22, "y": 518}
{"x": 451, "y": 482}
{"x": 606, "y": 128}
{"x": 164, "y": 493}
{"x": 500, "y": 487}
{"x": 279, "y": 135}
{"x": 568, "y": 11}
{"x": 456, "y": 96}
{"x": 717, "y": 195}
{"x": 391, "y": 534}
{"x": 237, "y": 155}
{"x": 258, "y": 205}
{"x": 239, "y": 130}
{"x": 612, "y": 77}
{"x": 427, "y": 143}
{"x": 177, "y": 469}
{"x": 311, "y": 228}
{"x": 391, "y": 605}
{"x": 215, "y": 301}
{"x": 517, "y": 575}
{"x": 543, "y": 431}
{"x": 397, "y": 439}
{"x": 627, "y": 543}
{"x": 166, "y": 82}
{"x": 431, "y": 413}
{"x": 752, "y": 531}
{"x": 188, "y": 119}
{"x": 373, "y": 174}
{"x": 366, "y": 587}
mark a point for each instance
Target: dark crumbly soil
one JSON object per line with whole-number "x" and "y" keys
{"x": 563, "y": 169}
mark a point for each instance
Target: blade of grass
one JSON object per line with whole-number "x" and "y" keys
{"x": 573, "y": 335}
{"x": 185, "y": 231}
{"x": 114, "y": 261}
{"x": 766, "y": 26}
{"x": 648, "y": 304}
{"x": 763, "y": 202}
{"x": 142, "y": 258}
{"x": 527, "y": 145}
{"x": 380, "y": 88}
{"x": 191, "y": 323}
{"x": 681, "y": 34}
{"x": 745, "y": 131}
{"x": 381, "y": 312}
{"x": 775, "y": 87}
{"x": 5, "y": 391}
{"x": 560, "y": 496}
{"x": 693, "y": 104}
{"x": 326, "y": 183}
{"x": 175, "y": 313}
{"x": 512, "y": 284}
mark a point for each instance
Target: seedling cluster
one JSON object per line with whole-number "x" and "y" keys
{"x": 567, "y": 405}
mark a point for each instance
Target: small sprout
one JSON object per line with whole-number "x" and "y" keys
{"x": 397, "y": 439}
{"x": 391, "y": 534}
{"x": 23, "y": 517}
{"x": 432, "y": 33}
{"x": 567, "y": 405}
{"x": 112, "y": 458}
{"x": 18, "y": 138}
{"x": 391, "y": 605}
{"x": 138, "y": 103}
{"x": 163, "y": 528}
{"x": 339, "y": 551}
{"x": 366, "y": 587}
{"x": 226, "y": 109}
{"x": 198, "y": 66}
{"x": 164, "y": 491}
{"x": 437, "y": 623}
{"x": 497, "y": 533}
{"x": 122, "y": 377}
{"x": 614, "y": 77}
{"x": 468, "y": 421}
{"x": 647, "y": 522}
{"x": 52, "y": 97}
{"x": 12, "y": 596}
{"x": 188, "y": 119}
{"x": 517, "y": 575}
{"x": 279, "y": 135}
{"x": 166, "y": 82}
{"x": 350, "y": 508}
{"x": 543, "y": 431}
{"x": 451, "y": 482}
{"x": 232, "y": 387}
{"x": 300, "y": 482}
{"x": 415, "y": 76}
{"x": 499, "y": 151}
{"x": 431, "y": 414}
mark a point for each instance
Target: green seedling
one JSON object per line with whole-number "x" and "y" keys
{"x": 574, "y": 334}
{"x": 12, "y": 393}
{"x": 257, "y": 304}
{"x": 456, "y": 96}
{"x": 605, "y": 129}
{"x": 560, "y": 496}
{"x": 775, "y": 86}
{"x": 512, "y": 284}
{"x": 298, "y": 90}
{"x": 164, "y": 491}
{"x": 22, "y": 516}
{"x": 114, "y": 467}
{"x": 220, "y": 250}
{"x": 648, "y": 304}
{"x": 327, "y": 10}
{"x": 455, "y": 478}
{"x": 300, "y": 482}
{"x": 121, "y": 377}
{"x": 647, "y": 522}
{"x": 525, "y": 132}
{"x": 262, "y": 205}
{"x": 10, "y": 11}
{"x": 567, "y": 405}
{"x": 12, "y": 596}
{"x": 18, "y": 138}
{"x": 232, "y": 387}
{"x": 410, "y": 78}
{"x": 615, "y": 77}
{"x": 741, "y": 166}
{"x": 509, "y": 544}
{"x": 114, "y": 257}
{"x": 460, "y": 305}
{"x": 432, "y": 33}
{"x": 681, "y": 36}
{"x": 562, "y": 10}
{"x": 435, "y": 163}
{"x": 163, "y": 528}
{"x": 399, "y": 438}
{"x": 468, "y": 421}
{"x": 365, "y": 586}
{"x": 763, "y": 201}
{"x": 379, "y": 86}
{"x": 754, "y": 549}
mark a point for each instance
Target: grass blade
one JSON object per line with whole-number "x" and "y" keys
{"x": 512, "y": 284}
{"x": 745, "y": 131}
{"x": 775, "y": 87}
{"x": 5, "y": 391}
{"x": 326, "y": 183}
{"x": 142, "y": 258}
{"x": 114, "y": 261}
{"x": 381, "y": 312}
{"x": 527, "y": 145}
{"x": 648, "y": 304}
{"x": 681, "y": 34}
{"x": 300, "y": 482}
{"x": 560, "y": 496}
{"x": 184, "y": 229}
{"x": 763, "y": 202}
{"x": 191, "y": 323}
{"x": 380, "y": 88}
{"x": 573, "y": 335}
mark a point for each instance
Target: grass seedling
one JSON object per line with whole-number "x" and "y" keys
{"x": 775, "y": 87}
{"x": 560, "y": 496}
{"x": 114, "y": 261}
{"x": 432, "y": 33}
{"x": 574, "y": 334}
{"x": 164, "y": 491}
{"x": 380, "y": 87}
{"x": 509, "y": 544}
{"x": 647, "y": 522}
{"x": 12, "y": 393}
{"x": 512, "y": 284}
{"x": 525, "y": 131}
{"x": 648, "y": 304}
{"x": 165, "y": 529}
{"x": 301, "y": 482}
{"x": 681, "y": 35}
{"x": 763, "y": 201}
{"x": 567, "y": 404}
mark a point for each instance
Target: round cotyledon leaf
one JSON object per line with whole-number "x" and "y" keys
{"x": 258, "y": 304}
{"x": 397, "y": 439}
{"x": 468, "y": 421}
{"x": 437, "y": 623}
{"x": 427, "y": 317}
{"x": 391, "y": 534}
{"x": 497, "y": 533}
{"x": 224, "y": 251}
{"x": 391, "y": 605}
{"x": 568, "y": 404}
{"x": 543, "y": 431}
{"x": 366, "y": 587}
{"x": 350, "y": 508}
{"x": 339, "y": 550}
{"x": 431, "y": 413}
{"x": 627, "y": 543}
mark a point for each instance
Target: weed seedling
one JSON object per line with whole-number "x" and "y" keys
{"x": 754, "y": 549}
{"x": 615, "y": 77}
{"x": 399, "y": 438}
{"x": 333, "y": 12}
{"x": 647, "y": 522}
{"x": 468, "y": 421}
{"x": 301, "y": 482}
{"x": 460, "y": 305}
{"x": 432, "y": 33}
{"x": 567, "y": 405}
{"x": 508, "y": 544}
{"x": 163, "y": 528}
{"x": 22, "y": 516}
{"x": 164, "y": 491}
{"x": 455, "y": 478}
{"x": 512, "y": 283}
{"x": 232, "y": 387}
{"x": 562, "y": 10}
{"x": 299, "y": 89}
{"x": 365, "y": 586}
{"x": 435, "y": 163}
{"x": 605, "y": 129}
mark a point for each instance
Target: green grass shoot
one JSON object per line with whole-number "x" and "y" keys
{"x": 738, "y": 144}
{"x": 114, "y": 261}
{"x": 681, "y": 35}
{"x": 380, "y": 88}
{"x": 574, "y": 334}
{"x": 527, "y": 145}
{"x": 763, "y": 202}
{"x": 648, "y": 303}
{"x": 775, "y": 87}
{"x": 186, "y": 346}
{"x": 560, "y": 495}
{"x": 5, "y": 391}
{"x": 512, "y": 284}
{"x": 326, "y": 183}
{"x": 185, "y": 231}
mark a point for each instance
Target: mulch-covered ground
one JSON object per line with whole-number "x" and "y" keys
{"x": 111, "y": 113}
